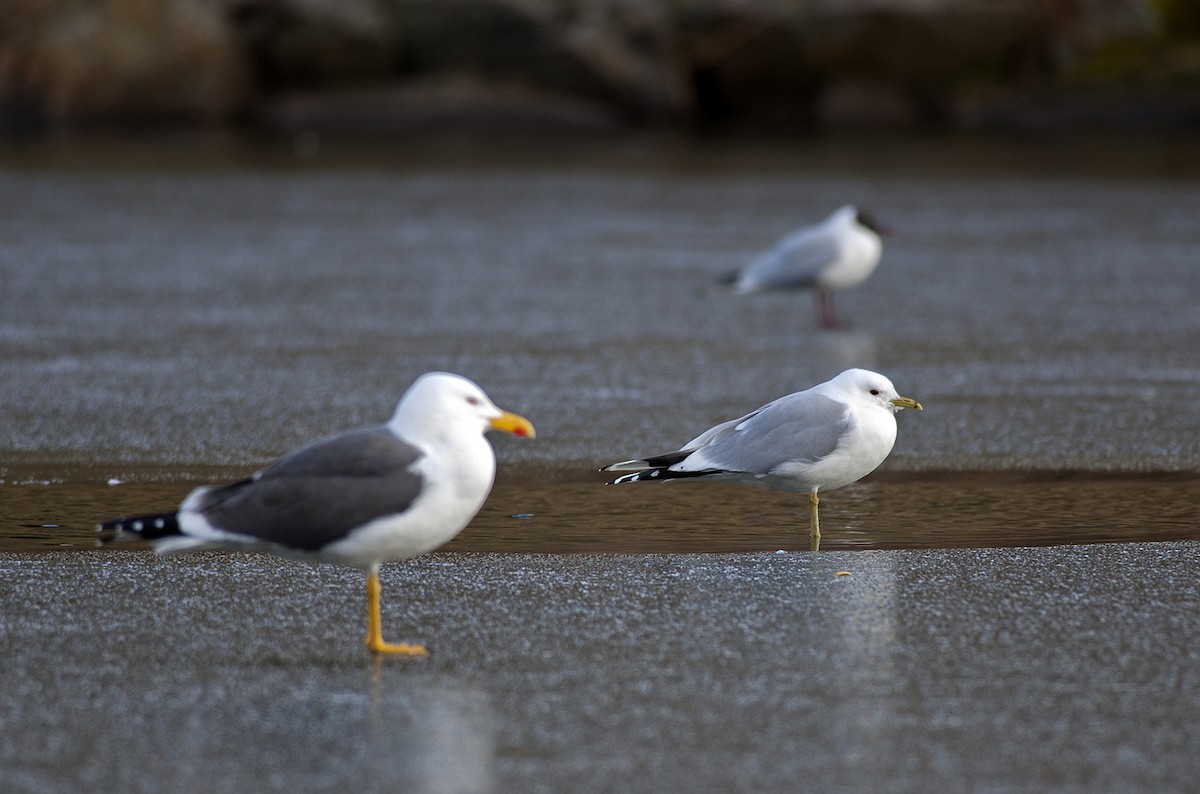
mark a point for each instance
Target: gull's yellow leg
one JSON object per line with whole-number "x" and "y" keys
{"x": 375, "y": 623}
{"x": 814, "y": 519}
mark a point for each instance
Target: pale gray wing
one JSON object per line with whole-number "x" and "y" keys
{"x": 321, "y": 492}
{"x": 796, "y": 262}
{"x": 800, "y": 427}
{"x": 667, "y": 459}
{"x": 723, "y": 429}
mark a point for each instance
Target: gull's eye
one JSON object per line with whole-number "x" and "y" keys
{"x": 875, "y": 392}
{"x": 472, "y": 401}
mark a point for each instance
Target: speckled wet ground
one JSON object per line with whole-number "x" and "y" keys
{"x": 169, "y": 322}
{"x": 1070, "y": 668}
{"x": 1045, "y": 316}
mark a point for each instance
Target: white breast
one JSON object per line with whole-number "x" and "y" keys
{"x": 860, "y": 252}
{"x": 457, "y": 482}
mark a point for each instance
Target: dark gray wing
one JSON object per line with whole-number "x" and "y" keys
{"x": 321, "y": 492}
{"x": 801, "y": 427}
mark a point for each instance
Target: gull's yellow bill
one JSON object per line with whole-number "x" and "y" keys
{"x": 513, "y": 423}
{"x": 907, "y": 402}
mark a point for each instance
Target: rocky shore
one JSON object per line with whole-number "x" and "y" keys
{"x": 699, "y": 65}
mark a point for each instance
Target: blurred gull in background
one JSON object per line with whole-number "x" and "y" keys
{"x": 838, "y": 253}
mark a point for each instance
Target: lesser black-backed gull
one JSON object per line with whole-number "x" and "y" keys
{"x": 357, "y": 498}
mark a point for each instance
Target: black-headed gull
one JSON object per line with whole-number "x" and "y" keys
{"x": 840, "y": 252}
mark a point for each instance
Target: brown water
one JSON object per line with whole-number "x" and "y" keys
{"x": 883, "y": 512}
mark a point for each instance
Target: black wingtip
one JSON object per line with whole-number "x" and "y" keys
{"x": 108, "y": 532}
{"x": 638, "y": 476}
{"x": 664, "y": 474}
{"x": 146, "y": 527}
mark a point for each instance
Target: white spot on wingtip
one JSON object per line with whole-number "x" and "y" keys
{"x": 137, "y": 526}
{"x": 159, "y": 523}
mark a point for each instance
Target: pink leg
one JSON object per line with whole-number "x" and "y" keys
{"x": 826, "y": 313}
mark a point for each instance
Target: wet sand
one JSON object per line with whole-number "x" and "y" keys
{"x": 1068, "y": 669}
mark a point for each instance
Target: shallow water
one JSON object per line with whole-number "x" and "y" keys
{"x": 883, "y": 512}
{"x": 166, "y": 321}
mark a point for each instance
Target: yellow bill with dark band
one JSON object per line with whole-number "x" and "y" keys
{"x": 907, "y": 402}
{"x": 512, "y": 423}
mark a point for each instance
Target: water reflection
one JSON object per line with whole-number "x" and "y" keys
{"x": 885, "y": 511}
{"x": 437, "y": 739}
{"x": 865, "y": 650}
{"x": 783, "y": 321}
{"x": 845, "y": 348}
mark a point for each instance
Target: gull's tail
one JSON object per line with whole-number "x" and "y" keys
{"x": 660, "y": 474}
{"x": 651, "y": 462}
{"x": 147, "y": 527}
{"x": 655, "y": 468}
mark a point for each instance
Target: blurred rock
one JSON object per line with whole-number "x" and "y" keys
{"x": 898, "y": 63}
{"x": 600, "y": 50}
{"x": 315, "y": 43}
{"x": 79, "y": 61}
{"x": 769, "y": 65}
{"x": 420, "y": 105}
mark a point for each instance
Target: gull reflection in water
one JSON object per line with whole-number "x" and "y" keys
{"x": 431, "y": 739}
{"x": 842, "y": 349}
{"x": 865, "y": 646}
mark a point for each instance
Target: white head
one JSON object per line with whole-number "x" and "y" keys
{"x": 440, "y": 403}
{"x": 872, "y": 388}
